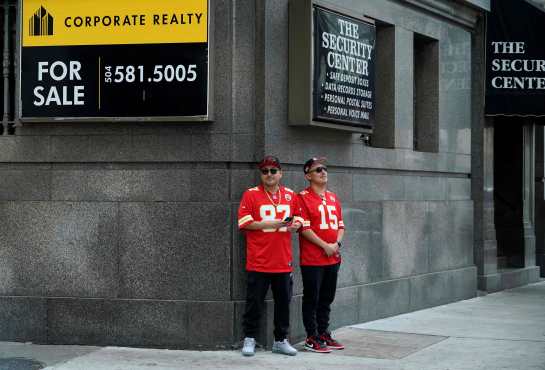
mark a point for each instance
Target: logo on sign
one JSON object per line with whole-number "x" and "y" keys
{"x": 41, "y": 23}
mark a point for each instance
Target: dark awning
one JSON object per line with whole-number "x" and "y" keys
{"x": 515, "y": 58}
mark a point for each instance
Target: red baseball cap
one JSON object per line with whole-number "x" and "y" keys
{"x": 270, "y": 161}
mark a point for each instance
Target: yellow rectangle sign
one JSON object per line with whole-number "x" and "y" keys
{"x": 113, "y": 22}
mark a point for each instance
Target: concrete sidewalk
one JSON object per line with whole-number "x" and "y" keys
{"x": 505, "y": 330}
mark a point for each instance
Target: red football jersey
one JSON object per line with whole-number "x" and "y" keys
{"x": 268, "y": 250}
{"x": 325, "y": 218}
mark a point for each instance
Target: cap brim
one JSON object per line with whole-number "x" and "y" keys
{"x": 321, "y": 160}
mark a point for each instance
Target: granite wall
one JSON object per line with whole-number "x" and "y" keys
{"x": 125, "y": 233}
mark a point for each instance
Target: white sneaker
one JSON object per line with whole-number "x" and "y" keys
{"x": 284, "y": 347}
{"x": 248, "y": 349}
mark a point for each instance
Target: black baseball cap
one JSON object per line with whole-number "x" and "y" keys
{"x": 269, "y": 160}
{"x": 308, "y": 164}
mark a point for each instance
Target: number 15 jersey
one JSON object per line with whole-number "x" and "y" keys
{"x": 325, "y": 218}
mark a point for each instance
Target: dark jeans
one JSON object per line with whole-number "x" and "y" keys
{"x": 319, "y": 287}
{"x": 258, "y": 285}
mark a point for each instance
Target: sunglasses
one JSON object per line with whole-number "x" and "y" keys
{"x": 265, "y": 171}
{"x": 318, "y": 169}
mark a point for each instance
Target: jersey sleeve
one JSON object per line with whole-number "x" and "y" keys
{"x": 245, "y": 211}
{"x": 303, "y": 213}
{"x": 296, "y": 213}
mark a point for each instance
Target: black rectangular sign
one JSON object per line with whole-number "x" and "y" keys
{"x": 515, "y": 59}
{"x": 343, "y": 69}
{"x": 115, "y": 81}
{"x": 114, "y": 59}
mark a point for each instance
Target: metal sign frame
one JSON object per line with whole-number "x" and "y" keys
{"x": 209, "y": 117}
{"x": 301, "y": 63}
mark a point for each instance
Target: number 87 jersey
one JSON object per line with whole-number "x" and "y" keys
{"x": 268, "y": 250}
{"x": 325, "y": 218}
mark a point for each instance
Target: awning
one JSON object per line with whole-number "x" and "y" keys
{"x": 515, "y": 58}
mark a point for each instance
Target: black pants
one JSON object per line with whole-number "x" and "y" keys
{"x": 258, "y": 285}
{"x": 319, "y": 287}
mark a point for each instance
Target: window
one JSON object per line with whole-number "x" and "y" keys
{"x": 426, "y": 94}
{"x": 384, "y": 131}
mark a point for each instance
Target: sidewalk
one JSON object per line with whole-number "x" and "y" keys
{"x": 504, "y": 330}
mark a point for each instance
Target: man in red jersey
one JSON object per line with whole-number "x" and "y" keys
{"x": 319, "y": 241}
{"x": 267, "y": 213}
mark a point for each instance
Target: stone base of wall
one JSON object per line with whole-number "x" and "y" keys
{"x": 368, "y": 302}
{"x": 508, "y": 278}
{"x": 135, "y": 323}
{"x": 540, "y": 261}
{"x": 212, "y": 325}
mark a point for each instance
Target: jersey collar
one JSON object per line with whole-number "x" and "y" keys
{"x": 316, "y": 195}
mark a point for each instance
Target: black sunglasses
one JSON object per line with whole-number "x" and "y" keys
{"x": 265, "y": 171}
{"x": 319, "y": 169}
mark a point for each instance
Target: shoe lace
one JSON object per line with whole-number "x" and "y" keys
{"x": 315, "y": 342}
{"x": 241, "y": 343}
{"x": 326, "y": 336}
{"x": 249, "y": 342}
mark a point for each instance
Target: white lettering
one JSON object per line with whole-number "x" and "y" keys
{"x": 42, "y": 68}
{"x": 511, "y": 47}
{"x": 349, "y": 29}
{"x": 75, "y": 67}
{"x": 64, "y": 71}
{"x": 38, "y": 94}
{"x": 59, "y": 70}
{"x": 53, "y": 96}
{"x": 79, "y": 94}
{"x": 60, "y": 95}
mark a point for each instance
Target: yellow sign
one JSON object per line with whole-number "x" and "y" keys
{"x": 113, "y": 22}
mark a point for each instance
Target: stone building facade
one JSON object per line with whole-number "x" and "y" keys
{"x": 125, "y": 233}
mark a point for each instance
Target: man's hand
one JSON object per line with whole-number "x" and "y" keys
{"x": 331, "y": 248}
{"x": 277, "y": 224}
{"x": 266, "y": 225}
{"x": 293, "y": 227}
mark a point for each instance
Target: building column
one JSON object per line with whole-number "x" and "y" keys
{"x": 539, "y": 196}
{"x": 488, "y": 278}
{"x": 482, "y": 172}
{"x": 528, "y": 194}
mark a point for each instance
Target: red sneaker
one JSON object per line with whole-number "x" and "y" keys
{"x": 313, "y": 344}
{"x": 330, "y": 342}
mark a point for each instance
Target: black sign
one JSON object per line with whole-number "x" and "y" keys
{"x": 153, "y": 80}
{"x": 343, "y": 69}
{"x": 515, "y": 83}
{"x": 114, "y": 59}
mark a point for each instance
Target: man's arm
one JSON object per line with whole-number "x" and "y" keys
{"x": 261, "y": 225}
{"x": 296, "y": 214}
{"x": 340, "y": 232}
{"x": 245, "y": 216}
{"x": 340, "y": 235}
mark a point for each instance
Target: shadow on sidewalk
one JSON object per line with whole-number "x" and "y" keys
{"x": 20, "y": 363}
